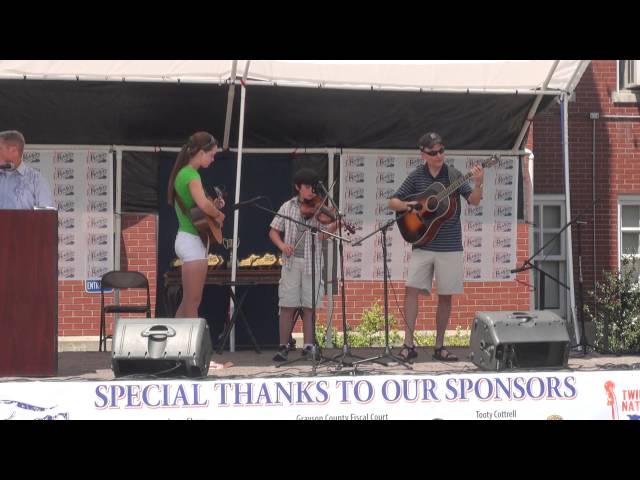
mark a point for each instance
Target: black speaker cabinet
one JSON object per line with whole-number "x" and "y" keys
{"x": 533, "y": 339}
{"x": 162, "y": 347}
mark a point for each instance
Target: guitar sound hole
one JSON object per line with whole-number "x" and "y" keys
{"x": 432, "y": 204}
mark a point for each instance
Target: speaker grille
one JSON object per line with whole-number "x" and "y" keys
{"x": 162, "y": 368}
{"x": 539, "y": 354}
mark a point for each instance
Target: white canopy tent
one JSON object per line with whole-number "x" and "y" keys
{"x": 522, "y": 77}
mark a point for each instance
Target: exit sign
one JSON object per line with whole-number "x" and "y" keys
{"x": 93, "y": 286}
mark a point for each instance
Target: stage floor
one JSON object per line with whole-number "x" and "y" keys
{"x": 249, "y": 364}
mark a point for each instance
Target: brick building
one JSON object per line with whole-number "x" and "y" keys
{"x": 604, "y": 176}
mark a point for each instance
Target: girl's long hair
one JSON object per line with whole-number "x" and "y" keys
{"x": 198, "y": 141}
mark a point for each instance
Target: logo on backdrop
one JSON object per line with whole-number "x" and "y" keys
{"x": 629, "y": 402}
{"x": 14, "y": 410}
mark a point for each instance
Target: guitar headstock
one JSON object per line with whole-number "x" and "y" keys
{"x": 491, "y": 161}
{"x": 219, "y": 192}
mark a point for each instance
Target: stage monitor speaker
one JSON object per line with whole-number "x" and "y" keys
{"x": 507, "y": 340}
{"x": 163, "y": 347}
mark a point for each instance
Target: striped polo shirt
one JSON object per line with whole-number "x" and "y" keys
{"x": 449, "y": 237}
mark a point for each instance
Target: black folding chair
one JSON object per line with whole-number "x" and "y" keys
{"x": 121, "y": 280}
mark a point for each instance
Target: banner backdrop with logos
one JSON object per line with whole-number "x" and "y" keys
{"x": 489, "y": 230}
{"x": 82, "y": 185}
{"x": 604, "y": 395}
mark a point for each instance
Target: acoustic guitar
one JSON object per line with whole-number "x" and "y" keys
{"x": 420, "y": 226}
{"x": 209, "y": 229}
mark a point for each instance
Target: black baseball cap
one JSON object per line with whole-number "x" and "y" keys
{"x": 428, "y": 140}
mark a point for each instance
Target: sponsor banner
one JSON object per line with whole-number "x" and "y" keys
{"x": 606, "y": 395}
{"x": 82, "y": 185}
{"x": 489, "y": 230}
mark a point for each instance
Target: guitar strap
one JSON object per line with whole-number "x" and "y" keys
{"x": 454, "y": 174}
{"x": 181, "y": 203}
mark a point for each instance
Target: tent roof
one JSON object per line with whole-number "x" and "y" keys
{"x": 525, "y": 76}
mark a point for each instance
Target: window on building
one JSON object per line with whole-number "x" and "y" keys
{"x": 628, "y": 82}
{"x": 549, "y": 216}
{"x": 629, "y": 230}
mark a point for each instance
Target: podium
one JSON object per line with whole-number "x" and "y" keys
{"x": 28, "y": 293}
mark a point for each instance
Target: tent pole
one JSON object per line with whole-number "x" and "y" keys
{"x": 230, "y": 97}
{"x": 330, "y": 276}
{"x": 236, "y": 213}
{"x": 564, "y": 99}
{"x": 529, "y": 218}
{"x": 534, "y": 107}
{"x": 117, "y": 217}
{"x": 117, "y": 231}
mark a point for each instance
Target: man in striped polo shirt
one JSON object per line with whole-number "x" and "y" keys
{"x": 442, "y": 256}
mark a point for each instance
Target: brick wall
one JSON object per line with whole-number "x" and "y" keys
{"x": 477, "y": 296}
{"x": 79, "y": 312}
{"x": 617, "y": 162}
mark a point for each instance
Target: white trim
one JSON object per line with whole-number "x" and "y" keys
{"x": 551, "y": 201}
{"x": 541, "y": 201}
{"x": 621, "y": 94}
{"x": 625, "y": 200}
{"x": 551, "y": 197}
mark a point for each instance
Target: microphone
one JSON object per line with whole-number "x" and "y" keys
{"x": 6, "y": 166}
{"x": 247, "y": 202}
{"x": 318, "y": 188}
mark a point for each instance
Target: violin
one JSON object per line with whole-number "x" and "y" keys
{"x": 325, "y": 214}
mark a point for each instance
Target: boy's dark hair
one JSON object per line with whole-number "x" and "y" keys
{"x": 305, "y": 176}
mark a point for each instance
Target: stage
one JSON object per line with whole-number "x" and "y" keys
{"x": 592, "y": 387}
{"x": 249, "y": 364}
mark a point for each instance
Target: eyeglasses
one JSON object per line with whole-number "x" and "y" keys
{"x": 433, "y": 153}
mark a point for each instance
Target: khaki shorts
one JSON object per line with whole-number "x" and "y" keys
{"x": 448, "y": 269}
{"x": 295, "y": 286}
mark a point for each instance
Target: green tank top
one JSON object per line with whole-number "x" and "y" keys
{"x": 185, "y": 175}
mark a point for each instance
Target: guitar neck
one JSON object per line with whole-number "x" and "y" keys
{"x": 460, "y": 181}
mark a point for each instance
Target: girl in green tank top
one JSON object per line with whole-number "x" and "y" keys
{"x": 184, "y": 192}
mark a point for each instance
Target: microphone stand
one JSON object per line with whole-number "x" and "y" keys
{"x": 317, "y": 357}
{"x": 527, "y": 265}
{"x": 346, "y": 348}
{"x": 387, "y": 350}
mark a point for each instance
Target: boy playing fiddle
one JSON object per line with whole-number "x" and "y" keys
{"x": 296, "y": 288}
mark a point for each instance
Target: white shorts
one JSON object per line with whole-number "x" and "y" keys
{"x": 448, "y": 267}
{"x": 189, "y": 247}
{"x": 295, "y": 289}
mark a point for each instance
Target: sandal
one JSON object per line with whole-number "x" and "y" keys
{"x": 448, "y": 357}
{"x": 411, "y": 353}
